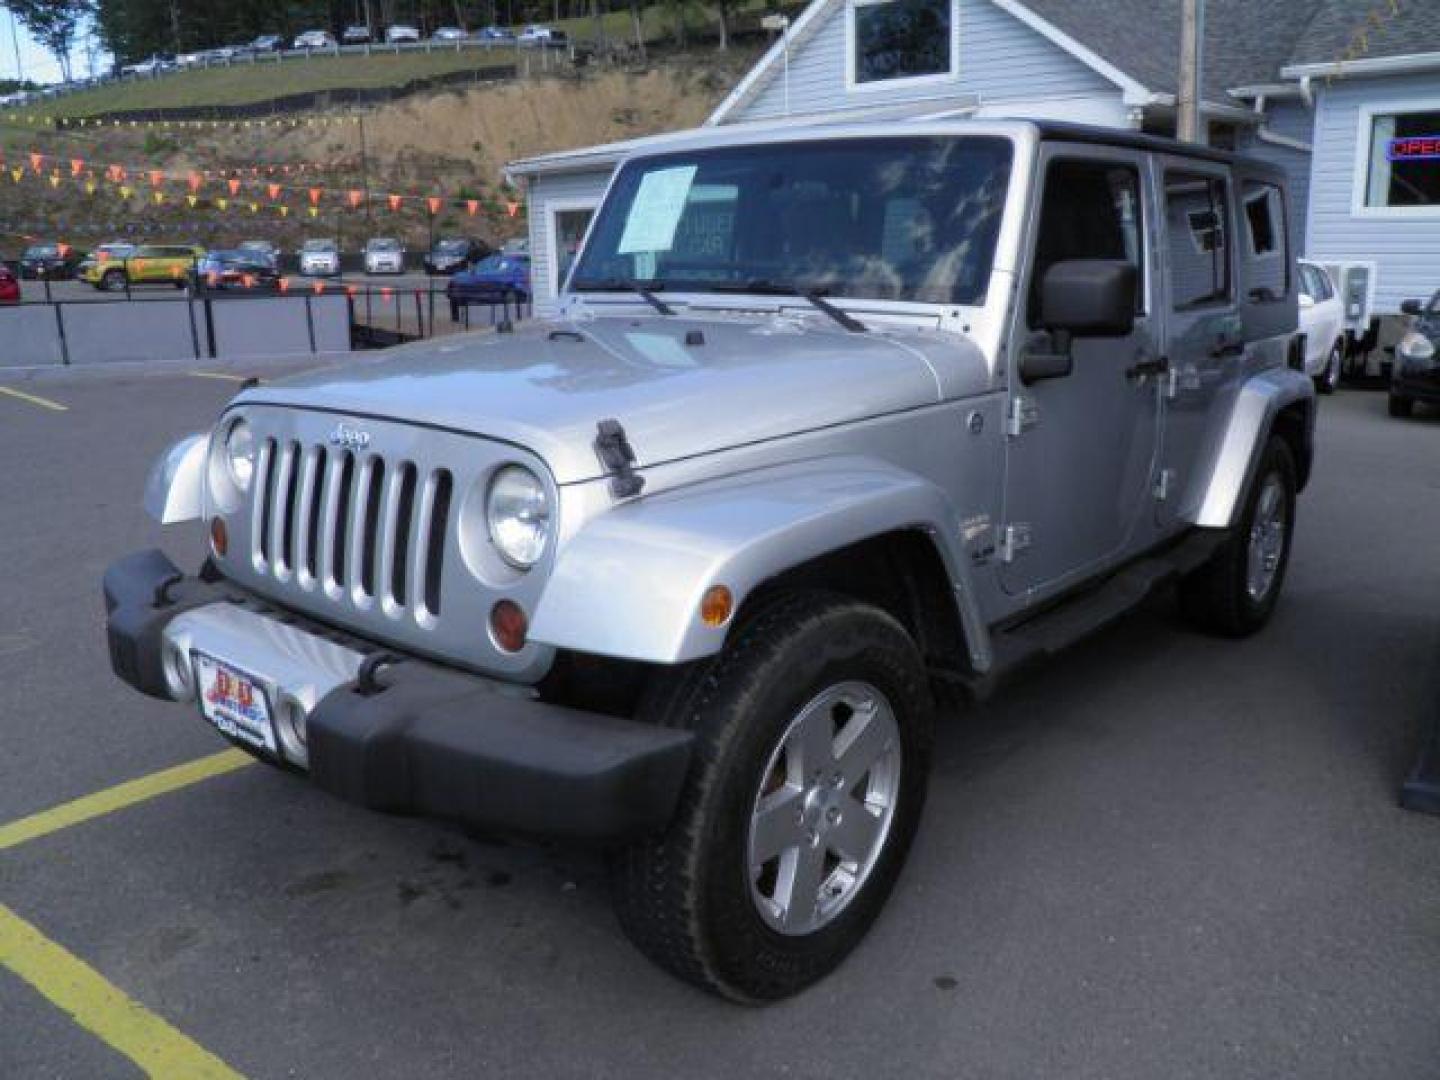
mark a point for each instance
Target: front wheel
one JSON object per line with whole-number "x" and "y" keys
{"x": 813, "y": 733}
{"x": 1235, "y": 592}
{"x": 1328, "y": 381}
{"x": 113, "y": 280}
{"x": 1401, "y": 406}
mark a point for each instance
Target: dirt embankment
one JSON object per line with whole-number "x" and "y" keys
{"x": 454, "y": 143}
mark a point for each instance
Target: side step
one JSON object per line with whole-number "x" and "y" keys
{"x": 1081, "y": 614}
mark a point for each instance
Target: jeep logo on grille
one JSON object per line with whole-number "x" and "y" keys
{"x": 348, "y": 437}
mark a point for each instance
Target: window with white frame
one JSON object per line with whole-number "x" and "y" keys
{"x": 1404, "y": 164}
{"x": 901, "y": 39}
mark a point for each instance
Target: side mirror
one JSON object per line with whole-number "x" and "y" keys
{"x": 1412, "y": 307}
{"x": 1089, "y": 297}
{"x": 1306, "y": 301}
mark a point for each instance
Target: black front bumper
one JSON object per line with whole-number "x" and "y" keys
{"x": 425, "y": 739}
{"x": 1422, "y": 384}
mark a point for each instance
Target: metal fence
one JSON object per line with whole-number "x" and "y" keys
{"x": 223, "y": 325}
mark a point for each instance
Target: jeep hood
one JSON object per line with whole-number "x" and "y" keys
{"x": 547, "y": 386}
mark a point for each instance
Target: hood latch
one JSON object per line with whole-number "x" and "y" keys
{"x": 618, "y": 456}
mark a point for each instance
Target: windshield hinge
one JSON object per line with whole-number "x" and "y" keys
{"x": 1014, "y": 539}
{"x": 618, "y": 456}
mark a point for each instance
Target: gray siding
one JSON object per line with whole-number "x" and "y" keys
{"x": 546, "y": 191}
{"x": 1293, "y": 119}
{"x": 1406, "y": 248}
{"x": 1000, "y": 59}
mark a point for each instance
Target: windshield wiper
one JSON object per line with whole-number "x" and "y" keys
{"x": 766, "y": 287}
{"x": 646, "y": 290}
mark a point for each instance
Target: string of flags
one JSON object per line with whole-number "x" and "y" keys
{"x": 265, "y": 122}
{"x": 241, "y": 188}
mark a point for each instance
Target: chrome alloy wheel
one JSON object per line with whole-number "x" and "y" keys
{"x": 1267, "y": 539}
{"x": 823, "y": 811}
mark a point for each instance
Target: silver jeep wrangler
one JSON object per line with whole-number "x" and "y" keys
{"x": 831, "y": 418}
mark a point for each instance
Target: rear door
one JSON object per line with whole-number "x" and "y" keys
{"x": 1205, "y": 341}
{"x": 1081, "y": 453}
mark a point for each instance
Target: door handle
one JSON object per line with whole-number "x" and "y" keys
{"x": 1141, "y": 368}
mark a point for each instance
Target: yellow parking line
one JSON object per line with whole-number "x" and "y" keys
{"x": 44, "y": 403}
{"x": 121, "y": 796}
{"x": 100, "y": 1007}
{"x": 218, "y": 375}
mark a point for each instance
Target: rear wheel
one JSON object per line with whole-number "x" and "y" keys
{"x": 809, "y": 772}
{"x": 1401, "y": 406}
{"x": 1235, "y": 593}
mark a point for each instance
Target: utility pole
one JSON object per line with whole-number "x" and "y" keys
{"x": 15, "y": 42}
{"x": 1192, "y": 47}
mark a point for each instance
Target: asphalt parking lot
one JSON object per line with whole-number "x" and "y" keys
{"x": 73, "y": 291}
{"x": 1160, "y": 856}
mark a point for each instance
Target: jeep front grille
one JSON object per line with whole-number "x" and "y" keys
{"x": 353, "y": 526}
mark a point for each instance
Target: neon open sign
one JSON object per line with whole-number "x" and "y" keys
{"x": 1414, "y": 148}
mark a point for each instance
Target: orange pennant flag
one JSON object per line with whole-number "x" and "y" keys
{"x": 394, "y": 201}
{"x": 512, "y": 208}
{"x": 355, "y": 197}
{"x": 283, "y": 285}
{"x": 77, "y": 166}
{"x": 434, "y": 202}
{"x": 234, "y": 186}
{"x": 471, "y": 206}
{"x": 194, "y": 180}
{"x": 36, "y": 160}
{"x": 318, "y": 288}
{"x": 315, "y": 196}
{"x": 273, "y": 190}
{"x": 156, "y": 177}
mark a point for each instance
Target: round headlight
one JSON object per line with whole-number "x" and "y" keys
{"x": 240, "y": 454}
{"x": 517, "y": 511}
{"x": 1416, "y": 346}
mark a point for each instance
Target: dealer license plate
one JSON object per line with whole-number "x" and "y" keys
{"x": 234, "y": 702}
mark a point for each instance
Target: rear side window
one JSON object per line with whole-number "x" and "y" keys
{"x": 1267, "y": 256}
{"x": 1197, "y": 216}
{"x": 1090, "y": 210}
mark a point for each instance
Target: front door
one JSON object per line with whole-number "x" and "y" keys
{"x": 1082, "y": 448}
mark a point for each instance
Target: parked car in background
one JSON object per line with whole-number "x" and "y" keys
{"x": 190, "y": 59}
{"x": 266, "y": 43}
{"x": 53, "y": 261}
{"x": 384, "y": 255}
{"x": 455, "y": 253}
{"x": 238, "y": 269}
{"x": 496, "y": 279}
{"x": 402, "y": 32}
{"x": 148, "y": 264}
{"x": 1322, "y": 324}
{"x": 223, "y": 53}
{"x": 264, "y": 250}
{"x": 1415, "y": 375}
{"x": 536, "y": 35}
{"x": 496, "y": 33}
{"x": 315, "y": 39}
{"x": 356, "y": 35}
{"x": 449, "y": 33}
{"x": 319, "y": 258}
{"x": 9, "y": 286}
{"x": 516, "y": 245}
{"x": 111, "y": 250}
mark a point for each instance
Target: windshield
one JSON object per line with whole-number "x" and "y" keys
{"x": 451, "y": 245}
{"x": 881, "y": 218}
{"x": 384, "y": 245}
{"x": 41, "y": 251}
{"x": 321, "y": 246}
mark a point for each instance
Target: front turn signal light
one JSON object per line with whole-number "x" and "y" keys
{"x": 716, "y": 606}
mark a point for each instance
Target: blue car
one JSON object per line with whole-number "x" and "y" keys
{"x": 496, "y": 279}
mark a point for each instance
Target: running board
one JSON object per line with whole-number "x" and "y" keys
{"x": 1081, "y": 614}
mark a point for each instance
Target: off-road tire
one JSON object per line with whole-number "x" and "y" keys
{"x": 1401, "y": 406}
{"x": 1215, "y": 597}
{"x": 684, "y": 897}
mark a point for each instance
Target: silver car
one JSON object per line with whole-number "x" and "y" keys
{"x": 319, "y": 258}
{"x": 830, "y": 418}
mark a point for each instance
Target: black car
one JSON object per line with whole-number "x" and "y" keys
{"x": 53, "y": 261}
{"x": 1416, "y": 374}
{"x": 456, "y": 253}
{"x": 241, "y": 270}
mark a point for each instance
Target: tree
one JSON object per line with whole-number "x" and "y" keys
{"x": 54, "y": 24}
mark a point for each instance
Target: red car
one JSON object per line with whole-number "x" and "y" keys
{"x": 9, "y": 286}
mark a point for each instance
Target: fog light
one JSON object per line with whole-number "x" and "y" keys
{"x": 219, "y": 538}
{"x": 716, "y": 606}
{"x": 508, "y": 625}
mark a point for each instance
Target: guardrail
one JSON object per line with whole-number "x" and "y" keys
{"x": 238, "y": 323}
